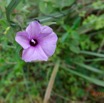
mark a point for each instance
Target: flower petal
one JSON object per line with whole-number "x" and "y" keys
{"x": 22, "y": 39}
{"x": 45, "y": 31}
{"x": 33, "y": 29}
{"x": 34, "y": 54}
{"x": 48, "y": 43}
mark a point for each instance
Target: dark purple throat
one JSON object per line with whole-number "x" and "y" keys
{"x": 33, "y": 42}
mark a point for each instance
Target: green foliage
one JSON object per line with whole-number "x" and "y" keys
{"x": 79, "y": 26}
{"x": 98, "y": 5}
{"x": 96, "y": 22}
{"x": 46, "y": 7}
{"x": 63, "y": 3}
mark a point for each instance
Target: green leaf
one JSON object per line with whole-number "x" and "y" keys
{"x": 45, "y": 7}
{"x": 64, "y": 3}
{"x": 74, "y": 48}
{"x": 53, "y": 16}
{"x": 3, "y": 23}
{"x": 64, "y": 37}
{"x": 76, "y": 22}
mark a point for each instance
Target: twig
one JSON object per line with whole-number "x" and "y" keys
{"x": 51, "y": 82}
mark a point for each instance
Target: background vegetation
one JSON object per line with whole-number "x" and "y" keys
{"x": 79, "y": 25}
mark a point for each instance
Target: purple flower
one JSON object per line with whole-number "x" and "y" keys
{"x": 38, "y": 42}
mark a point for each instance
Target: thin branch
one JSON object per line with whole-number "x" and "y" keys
{"x": 51, "y": 82}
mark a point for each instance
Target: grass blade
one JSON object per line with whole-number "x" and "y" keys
{"x": 12, "y": 5}
{"x": 90, "y": 68}
{"x": 90, "y": 79}
{"x": 92, "y": 54}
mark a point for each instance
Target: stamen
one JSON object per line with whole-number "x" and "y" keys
{"x": 33, "y": 42}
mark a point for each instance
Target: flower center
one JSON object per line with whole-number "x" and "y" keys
{"x": 33, "y": 42}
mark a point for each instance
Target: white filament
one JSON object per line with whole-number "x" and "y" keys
{"x": 33, "y": 41}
